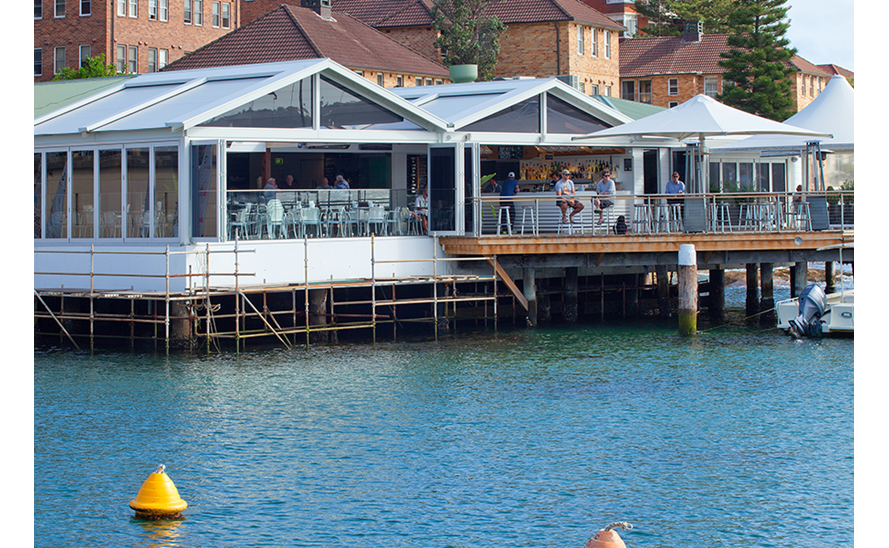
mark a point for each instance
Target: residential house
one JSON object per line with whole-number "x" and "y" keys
{"x": 667, "y": 71}
{"x": 544, "y": 38}
{"x": 290, "y": 33}
{"x": 137, "y": 36}
{"x": 622, "y": 12}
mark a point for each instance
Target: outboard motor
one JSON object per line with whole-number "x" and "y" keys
{"x": 811, "y": 307}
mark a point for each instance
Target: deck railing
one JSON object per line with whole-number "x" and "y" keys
{"x": 535, "y": 213}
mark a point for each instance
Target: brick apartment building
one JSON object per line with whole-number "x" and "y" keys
{"x": 136, "y": 36}
{"x": 666, "y": 71}
{"x": 622, "y": 12}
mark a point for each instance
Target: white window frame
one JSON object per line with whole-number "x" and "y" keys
{"x": 198, "y": 13}
{"x": 152, "y": 59}
{"x": 608, "y": 91}
{"x": 152, "y": 10}
{"x": 133, "y": 59}
{"x": 579, "y": 39}
{"x": 594, "y": 89}
{"x": 811, "y": 86}
{"x": 226, "y": 15}
{"x": 56, "y": 5}
{"x": 439, "y": 81}
{"x": 623, "y": 94}
{"x": 163, "y": 58}
{"x": 38, "y": 6}
{"x": 418, "y": 81}
{"x": 594, "y": 38}
{"x": 121, "y": 8}
{"x": 89, "y": 53}
{"x": 428, "y": 81}
{"x": 399, "y": 81}
{"x": 188, "y": 14}
{"x": 55, "y": 59}
{"x": 121, "y": 60}
{"x": 89, "y": 8}
{"x": 133, "y": 9}
{"x": 643, "y": 95}
{"x": 38, "y": 55}
{"x": 672, "y": 86}
{"x": 672, "y": 104}
{"x": 380, "y": 79}
{"x": 215, "y": 15}
{"x": 711, "y": 80}
{"x": 608, "y": 44}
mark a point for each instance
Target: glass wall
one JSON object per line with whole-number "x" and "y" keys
{"x": 38, "y": 194}
{"x": 203, "y": 191}
{"x": 110, "y": 166}
{"x": 82, "y": 197}
{"x": 166, "y": 191}
{"x": 82, "y": 187}
{"x": 441, "y": 188}
{"x": 138, "y": 217}
{"x": 57, "y": 195}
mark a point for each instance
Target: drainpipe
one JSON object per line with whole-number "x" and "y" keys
{"x": 558, "y": 49}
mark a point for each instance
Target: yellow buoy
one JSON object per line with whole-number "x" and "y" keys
{"x": 158, "y": 498}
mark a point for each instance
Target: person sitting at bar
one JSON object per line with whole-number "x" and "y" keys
{"x": 270, "y": 187}
{"x": 604, "y": 189}
{"x": 566, "y": 197}
{"x": 421, "y": 210}
{"x": 325, "y": 184}
{"x": 341, "y": 183}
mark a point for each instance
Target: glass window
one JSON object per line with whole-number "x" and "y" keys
{"x": 38, "y": 9}
{"x": 562, "y": 117}
{"x": 521, "y": 118}
{"x": 152, "y": 59}
{"x": 163, "y": 10}
{"x": 121, "y": 59}
{"x": 216, "y": 14}
{"x": 134, "y": 8}
{"x": 672, "y": 104}
{"x": 714, "y": 177}
{"x": 418, "y": 81}
{"x": 594, "y": 89}
{"x": 645, "y": 91}
{"x": 399, "y": 81}
{"x": 673, "y": 86}
{"x": 579, "y": 39}
{"x": 198, "y": 12}
{"x": 628, "y": 90}
{"x": 163, "y": 58}
{"x": 152, "y": 10}
{"x": 38, "y": 194}
{"x": 290, "y": 106}
{"x": 38, "y": 61}
{"x": 133, "y": 61}
{"x": 188, "y": 11}
{"x": 82, "y": 188}
{"x": 203, "y": 191}
{"x": 730, "y": 177}
{"x": 711, "y": 85}
{"x": 85, "y": 53}
{"x": 110, "y": 175}
{"x": 226, "y": 15}
{"x": 138, "y": 217}
{"x": 121, "y": 8}
{"x": 442, "y": 199}
{"x": 85, "y": 7}
{"x": 762, "y": 176}
{"x": 59, "y": 60}
{"x": 608, "y": 91}
{"x": 745, "y": 176}
{"x": 594, "y": 38}
{"x": 607, "y": 44}
{"x": 380, "y": 79}
{"x": 811, "y": 86}
{"x": 428, "y": 81}
{"x": 60, "y": 8}
{"x": 57, "y": 195}
{"x": 779, "y": 177}
{"x": 342, "y": 109}
{"x": 166, "y": 191}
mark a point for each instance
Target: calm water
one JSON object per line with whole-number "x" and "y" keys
{"x": 737, "y": 437}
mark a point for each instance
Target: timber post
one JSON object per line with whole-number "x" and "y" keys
{"x": 663, "y": 291}
{"x": 571, "y": 294}
{"x": 717, "y": 293}
{"x": 830, "y": 280}
{"x": 688, "y": 290}
{"x": 767, "y": 303}
{"x": 798, "y": 275}
{"x": 529, "y": 289}
{"x": 752, "y": 303}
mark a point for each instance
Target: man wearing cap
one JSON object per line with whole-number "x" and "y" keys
{"x": 510, "y": 188}
{"x": 566, "y": 197}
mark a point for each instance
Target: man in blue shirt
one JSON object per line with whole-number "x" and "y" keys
{"x": 510, "y": 188}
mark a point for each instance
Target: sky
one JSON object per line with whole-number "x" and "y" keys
{"x": 823, "y": 31}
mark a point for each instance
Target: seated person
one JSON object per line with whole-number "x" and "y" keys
{"x": 566, "y": 197}
{"x": 421, "y": 210}
{"x": 604, "y": 189}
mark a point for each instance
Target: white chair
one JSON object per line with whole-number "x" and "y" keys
{"x": 85, "y": 222}
{"x": 310, "y": 217}
{"x": 376, "y": 220}
{"x": 239, "y": 226}
{"x": 110, "y": 224}
{"x": 275, "y": 219}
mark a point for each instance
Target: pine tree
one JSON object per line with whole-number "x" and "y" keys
{"x": 758, "y": 70}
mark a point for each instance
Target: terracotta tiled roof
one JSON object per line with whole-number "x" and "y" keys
{"x": 415, "y": 13}
{"x": 804, "y": 66}
{"x": 292, "y": 33}
{"x": 670, "y": 55}
{"x": 836, "y": 69}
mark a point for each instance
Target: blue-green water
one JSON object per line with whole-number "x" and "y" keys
{"x": 736, "y": 437}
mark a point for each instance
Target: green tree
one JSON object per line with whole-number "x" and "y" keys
{"x": 665, "y": 16}
{"x": 758, "y": 70}
{"x": 93, "y": 67}
{"x": 468, "y": 36}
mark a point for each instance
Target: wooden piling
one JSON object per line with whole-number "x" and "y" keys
{"x": 830, "y": 281}
{"x": 663, "y": 291}
{"x": 529, "y": 290}
{"x": 716, "y": 304}
{"x": 799, "y": 273}
{"x": 767, "y": 302}
{"x": 571, "y": 294}
{"x": 752, "y": 303}
{"x": 688, "y": 290}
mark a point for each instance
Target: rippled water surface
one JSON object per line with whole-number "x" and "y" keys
{"x": 736, "y": 437}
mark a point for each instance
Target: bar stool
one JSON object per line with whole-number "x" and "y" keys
{"x": 642, "y": 218}
{"x": 500, "y": 223}
{"x": 720, "y": 217}
{"x": 529, "y": 210}
{"x": 747, "y": 218}
{"x": 664, "y": 217}
{"x": 607, "y": 220}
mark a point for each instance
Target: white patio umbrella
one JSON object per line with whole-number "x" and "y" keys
{"x": 698, "y": 118}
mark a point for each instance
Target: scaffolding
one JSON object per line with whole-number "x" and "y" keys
{"x": 206, "y": 313}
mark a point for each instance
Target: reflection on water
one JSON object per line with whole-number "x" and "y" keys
{"x": 739, "y": 436}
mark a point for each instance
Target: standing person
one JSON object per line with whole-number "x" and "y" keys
{"x": 675, "y": 186}
{"x": 509, "y": 189}
{"x": 604, "y": 189}
{"x": 341, "y": 183}
{"x": 421, "y": 209}
{"x": 567, "y": 197}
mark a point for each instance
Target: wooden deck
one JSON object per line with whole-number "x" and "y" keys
{"x": 552, "y": 244}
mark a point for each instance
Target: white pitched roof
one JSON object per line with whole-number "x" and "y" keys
{"x": 183, "y": 99}
{"x": 833, "y": 111}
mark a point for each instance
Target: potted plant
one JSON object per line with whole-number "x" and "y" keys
{"x": 468, "y": 39}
